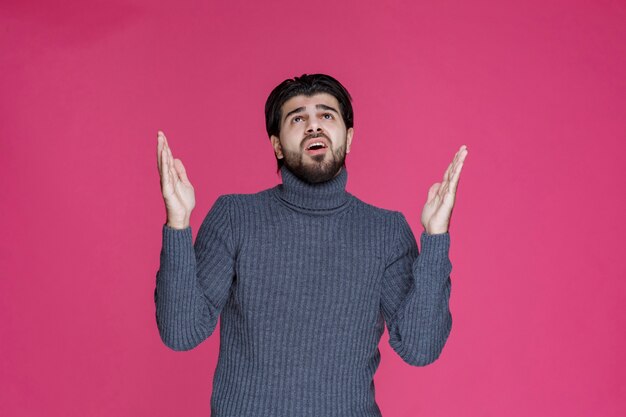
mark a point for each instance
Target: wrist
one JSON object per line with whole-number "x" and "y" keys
{"x": 435, "y": 231}
{"x": 178, "y": 224}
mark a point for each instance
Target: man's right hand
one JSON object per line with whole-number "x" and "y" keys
{"x": 177, "y": 191}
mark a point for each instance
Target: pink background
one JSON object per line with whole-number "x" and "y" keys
{"x": 535, "y": 89}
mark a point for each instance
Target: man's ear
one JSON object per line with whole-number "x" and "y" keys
{"x": 349, "y": 134}
{"x": 278, "y": 150}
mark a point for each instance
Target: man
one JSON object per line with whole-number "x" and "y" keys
{"x": 304, "y": 275}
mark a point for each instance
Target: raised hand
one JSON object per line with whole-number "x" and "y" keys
{"x": 441, "y": 195}
{"x": 177, "y": 191}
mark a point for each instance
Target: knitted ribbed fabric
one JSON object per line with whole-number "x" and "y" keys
{"x": 304, "y": 278}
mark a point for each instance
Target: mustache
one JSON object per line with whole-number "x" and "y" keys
{"x": 316, "y": 135}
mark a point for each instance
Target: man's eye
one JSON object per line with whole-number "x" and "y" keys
{"x": 328, "y": 114}
{"x": 296, "y": 118}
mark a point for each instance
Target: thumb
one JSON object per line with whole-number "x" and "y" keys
{"x": 180, "y": 170}
{"x": 432, "y": 192}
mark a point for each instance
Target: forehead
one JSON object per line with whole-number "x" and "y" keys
{"x": 309, "y": 102}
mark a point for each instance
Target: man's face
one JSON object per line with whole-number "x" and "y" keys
{"x": 308, "y": 120}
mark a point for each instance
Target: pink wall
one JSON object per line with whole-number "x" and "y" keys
{"x": 535, "y": 89}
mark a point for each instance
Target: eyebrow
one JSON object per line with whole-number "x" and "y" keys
{"x": 317, "y": 106}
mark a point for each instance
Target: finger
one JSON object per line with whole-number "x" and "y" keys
{"x": 165, "y": 177}
{"x": 165, "y": 146}
{"x": 455, "y": 178}
{"x": 172, "y": 170}
{"x": 182, "y": 172}
{"x": 432, "y": 192}
{"x": 451, "y": 177}
{"x": 462, "y": 154}
{"x": 159, "y": 149}
{"x": 452, "y": 169}
{"x": 459, "y": 157}
{"x": 446, "y": 175}
{"x": 168, "y": 152}
{"x": 443, "y": 190}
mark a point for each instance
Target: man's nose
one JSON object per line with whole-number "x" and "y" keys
{"x": 313, "y": 125}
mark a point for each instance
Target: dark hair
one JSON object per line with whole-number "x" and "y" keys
{"x": 307, "y": 85}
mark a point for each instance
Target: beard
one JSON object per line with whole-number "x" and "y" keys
{"x": 320, "y": 168}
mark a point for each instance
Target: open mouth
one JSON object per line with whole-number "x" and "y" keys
{"x": 316, "y": 148}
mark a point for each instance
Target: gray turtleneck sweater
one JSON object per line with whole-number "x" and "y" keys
{"x": 304, "y": 277}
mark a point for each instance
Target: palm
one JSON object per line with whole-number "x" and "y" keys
{"x": 437, "y": 211}
{"x": 179, "y": 196}
{"x": 176, "y": 188}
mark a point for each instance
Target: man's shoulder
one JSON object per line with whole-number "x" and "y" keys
{"x": 246, "y": 198}
{"x": 369, "y": 209}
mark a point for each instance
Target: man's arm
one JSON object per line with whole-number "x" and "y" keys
{"x": 193, "y": 281}
{"x": 415, "y": 294}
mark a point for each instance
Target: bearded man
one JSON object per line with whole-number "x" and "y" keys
{"x": 304, "y": 275}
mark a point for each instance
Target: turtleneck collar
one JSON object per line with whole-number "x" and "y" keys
{"x": 326, "y": 195}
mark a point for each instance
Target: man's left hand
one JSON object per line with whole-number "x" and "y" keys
{"x": 441, "y": 195}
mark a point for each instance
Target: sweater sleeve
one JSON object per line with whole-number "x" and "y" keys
{"x": 193, "y": 281}
{"x": 415, "y": 294}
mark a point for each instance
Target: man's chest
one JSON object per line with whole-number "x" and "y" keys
{"x": 321, "y": 264}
